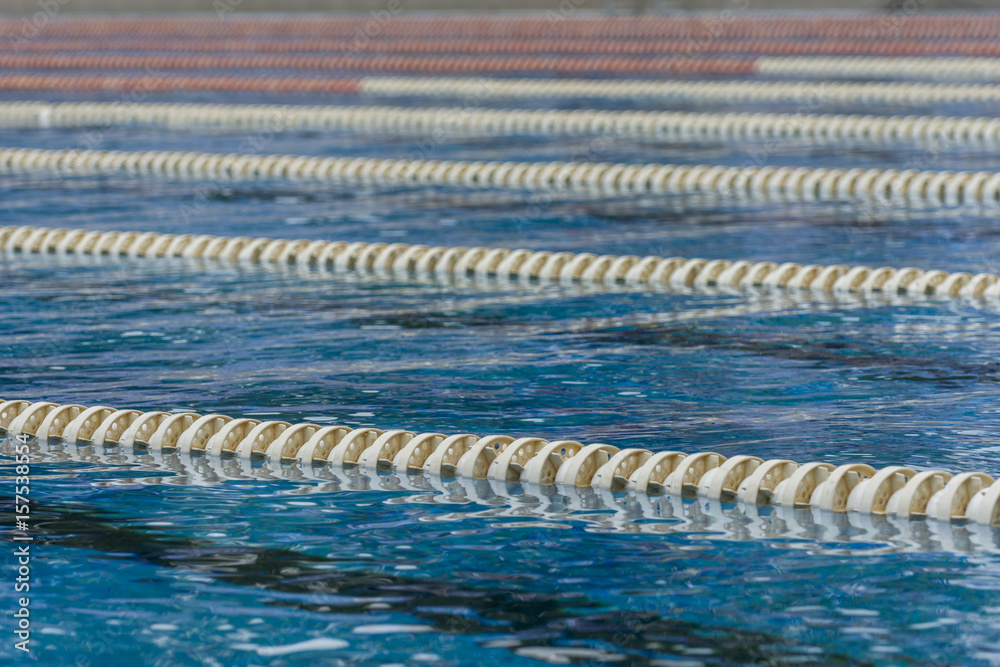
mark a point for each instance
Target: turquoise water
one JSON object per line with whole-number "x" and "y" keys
{"x": 169, "y": 560}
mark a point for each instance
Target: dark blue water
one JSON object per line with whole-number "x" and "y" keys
{"x": 166, "y": 561}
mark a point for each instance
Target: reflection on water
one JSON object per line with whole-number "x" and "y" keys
{"x": 542, "y": 625}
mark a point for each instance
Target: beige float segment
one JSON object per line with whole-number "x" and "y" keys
{"x": 509, "y": 464}
{"x": 439, "y": 461}
{"x": 29, "y": 419}
{"x": 723, "y": 482}
{"x": 56, "y": 421}
{"x": 579, "y": 469}
{"x": 476, "y": 462}
{"x": 912, "y": 499}
{"x": 797, "y": 489}
{"x": 114, "y": 427}
{"x": 141, "y": 430}
{"x": 651, "y": 476}
{"x": 258, "y": 439}
{"x": 224, "y": 436}
{"x": 615, "y": 474}
{"x": 759, "y": 487}
{"x": 833, "y": 492}
{"x": 953, "y": 500}
{"x": 319, "y": 445}
{"x": 413, "y": 456}
{"x": 542, "y": 468}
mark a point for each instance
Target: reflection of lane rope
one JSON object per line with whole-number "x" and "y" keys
{"x": 882, "y": 187}
{"x": 402, "y": 258}
{"x": 732, "y": 92}
{"x": 852, "y": 488}
{"x": 665, "y": 125}
{"x": 697, "y": 26}
{"x": 599, "y": 509}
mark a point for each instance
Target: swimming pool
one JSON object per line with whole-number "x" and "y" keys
{"x": 172, "y": 560}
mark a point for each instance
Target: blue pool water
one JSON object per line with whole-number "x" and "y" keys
{"x": 173, "y": 561}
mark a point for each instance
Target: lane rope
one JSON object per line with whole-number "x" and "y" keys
{"x": 881, "y": 187}
{"x": 822, "y": 67}
{"x": 601, "y": 509}
{"x": 811, "y": 94}
{"x": 696, "y": 25}
{"x": 941, "y": 131}
{"x": 895, "y": 491}
{"x": 403, "y": 259}
{"x": 531, "y": 45}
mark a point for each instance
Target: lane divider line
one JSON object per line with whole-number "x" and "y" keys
{"x": 895, "y": 491}
{"x": 881, "y": 187}
{"x": 819, "y": 67}
{"x": 810, "y": 94}
{"x": 521, "y": 45}
{"x": 403, "y": 259}
{"x": 582, "y": 25}
{"x": 675, "y": 126}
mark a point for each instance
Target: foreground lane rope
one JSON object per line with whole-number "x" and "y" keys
{"x": 601, "y": 509}
{"x": 503, "y": 263}
{"x": 881, "y": 187}
{"x": 813, "y": 94}
{"x": 676, "y": 126}
{"x": 895, "y": 491}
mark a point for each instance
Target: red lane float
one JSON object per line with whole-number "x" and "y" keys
{"x": 709, "y": 25}
{"x": 978, "y": 48}
{"x": 568, "y": 65}
{"x": 155, "y": 83}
